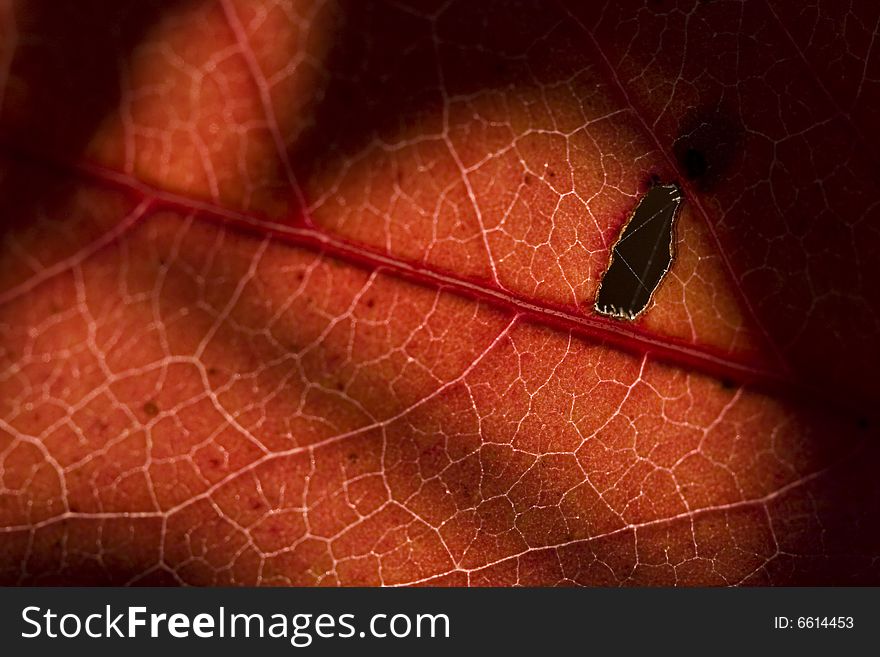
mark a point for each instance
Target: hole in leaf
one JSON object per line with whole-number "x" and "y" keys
{"x": 642, "y": 255}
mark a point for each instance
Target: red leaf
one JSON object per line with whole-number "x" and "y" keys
{"x": 303, "y": 294}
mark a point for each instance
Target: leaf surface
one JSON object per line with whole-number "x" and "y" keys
{"x": 299, "y": 293}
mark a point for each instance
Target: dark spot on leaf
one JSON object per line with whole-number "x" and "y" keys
{"x": 550, "y": 173}
{"x": 642, "y": 255}
{"x": 706, "y": 147}
{"x": 727, "y": 384}
{"x": 151, "y": 409}
{"x": 693, "y": 162}
{"x": 352, "y": 457}
{"x": 370, "y": 303}
{"x": 863, "y": 423}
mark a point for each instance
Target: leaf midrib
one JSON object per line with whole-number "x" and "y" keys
{"x": 629, "y": 337}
